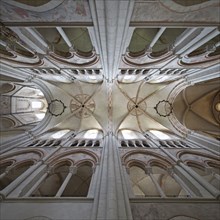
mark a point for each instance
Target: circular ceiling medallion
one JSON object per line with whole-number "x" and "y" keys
{"x": 83, "y": 105}
{"x": 136, "y": 107}
{"x": 164, "y": 108}
{"x": 56, "y": 107}
{"x": 216, "y": 107}
{"x": 6, "y": 87}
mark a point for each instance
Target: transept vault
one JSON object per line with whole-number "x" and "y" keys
{"x": 110, "y": 110}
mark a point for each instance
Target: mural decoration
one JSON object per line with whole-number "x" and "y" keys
{"x": 83, "y": 105}
{"x": 60, "y": 11}
{"x": 164, "y": 108}
{"x": 187, "y": 6}
{"x": 56, "y": 107}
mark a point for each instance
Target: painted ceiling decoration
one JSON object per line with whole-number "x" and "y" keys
{"x": 84, "y": 104}
{"x": 56, "y": 107}
{"x": 164, "y": 108}
{"x": 140, "y": 115}
{"x": 216, "y": 107}
{"x": 109, "y": 109}
{"x": 85, "y": 90}
{"x": 136, "y": 106}
{"x": 180, "y": 6}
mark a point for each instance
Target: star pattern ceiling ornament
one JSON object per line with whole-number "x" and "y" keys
{"x": 84, "y": 104}
{"x": 164, "y": 108}
{"x": 56, "y": 107}
{"x": 136, "y": 106}
{"x": 140, "y": 106}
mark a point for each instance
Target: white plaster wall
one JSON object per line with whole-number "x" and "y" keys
{"x": 54, "y": 210}
{"x": 166, "y": 210}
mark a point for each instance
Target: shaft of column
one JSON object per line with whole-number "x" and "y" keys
{"x": 157, "y": 36}
{"x": 36, "y": 185}
{"x": 4, "y": 174}
{"x": 183, "y": 185}
{"x": 199, "y": 43}
{"x": 162, "y": 194}
{"x": 64, "y": 36}
{"x": 198, "y": 188}
{"x": 202, "y": 181}
{"x": 217, "y": 176}
{"x": 26, "y": 174}
{"x": 64, "y": 184}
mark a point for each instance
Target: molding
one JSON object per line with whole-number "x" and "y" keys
{"x": 48, "y": 199}
{"x": 48, "y": 24}
{"x": 158, "y": 24}
{"x": 174, "y": 200}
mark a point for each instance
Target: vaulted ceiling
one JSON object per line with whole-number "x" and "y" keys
{"x": 111, "y": 69}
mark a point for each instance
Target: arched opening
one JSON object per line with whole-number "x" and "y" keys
{"x": 4, "y": 166}
{"x": 161, "y": 135}
{"x": 26, "y": 106}
{"x": 154, "y": 180}
{"x": 79, "y": 183}
{"x": 166, "y": 41}
{"x": 91, "y": 134}
{"x": 143, "y": 37}
{"x": 167, "y": 183}
{"x": 13, "y": 173}
{"x": 129, "y": 134}
{"x": 142, "y": 184}
{"x": 60, "y": 134}
{"x": 211, "y": 176}
{"x": 50, "y": 186}
{"x": 66, "y": 181}
{"x": 6, "y": 87}
{"x": 206, "y": 47}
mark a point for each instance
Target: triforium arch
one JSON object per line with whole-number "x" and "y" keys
{"x": 70, "y": 174}
{"x": 205, "y": 165}
{"x": 152, "y": 177}
{"x": 14, "y": 165}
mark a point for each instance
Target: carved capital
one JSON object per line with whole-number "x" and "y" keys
{"x": 170, "y": 171}
{"x": 148, "y": 170}
{"x": 73, "y": 169}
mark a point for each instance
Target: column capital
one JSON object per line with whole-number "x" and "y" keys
{"x": 49, "y": 169}
{"x": 73, "y": 169}
{"x": 2, "y": 197}
{"x": 148, "y": 170}
{"x": 170, "y": 171}
{"x": 127, "y": 170}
